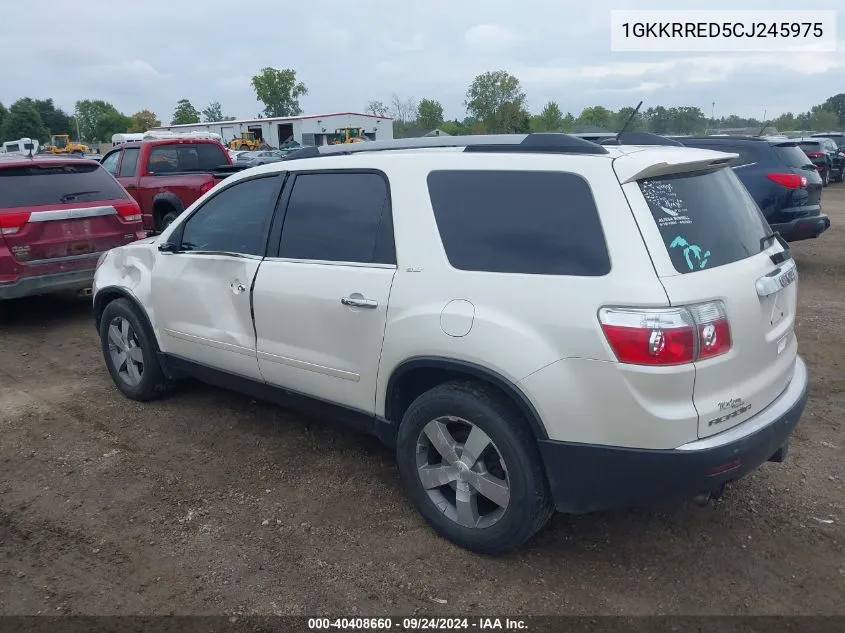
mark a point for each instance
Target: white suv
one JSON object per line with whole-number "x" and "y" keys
{"x": 533, "y": 321}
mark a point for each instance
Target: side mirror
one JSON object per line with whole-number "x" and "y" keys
{"x": 168, "y": 247}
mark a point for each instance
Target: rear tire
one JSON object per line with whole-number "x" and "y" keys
{"x": 130, "y": 353}
{"x": 487, "y": 490}
{"x": 167, "y": 219}
{"x": 244, "y": 148}
{"x": 826, "y": 177}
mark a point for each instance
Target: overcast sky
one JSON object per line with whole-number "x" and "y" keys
{"x": 150, "y": 54}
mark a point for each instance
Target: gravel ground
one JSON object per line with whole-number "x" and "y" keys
{"x": 211, "y": 503}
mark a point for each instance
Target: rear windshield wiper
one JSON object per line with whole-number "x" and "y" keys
{"x": 776, "y": 258}
{"x": 73, "y": 196}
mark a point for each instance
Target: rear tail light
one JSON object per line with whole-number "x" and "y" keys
{"x": 129, "y": 211}
{"x": 11, "y": 223}
{"x": 790, "y": 181}
{"x": 670, "y": 336}
{"x": 206, "y": 187}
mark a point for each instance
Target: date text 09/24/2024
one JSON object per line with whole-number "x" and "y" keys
{"x": 416, "y": 624}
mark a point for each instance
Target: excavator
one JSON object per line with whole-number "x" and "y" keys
{"x": 348, "y": 135}
{"x": 61, "y": 144}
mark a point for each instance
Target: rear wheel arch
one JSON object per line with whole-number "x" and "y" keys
{"x": 163, "y": 204}
{"x": 415, "y": 376}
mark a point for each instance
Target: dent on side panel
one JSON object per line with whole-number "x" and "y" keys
{"x": 130, "y": 267}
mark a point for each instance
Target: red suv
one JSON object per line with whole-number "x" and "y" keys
{"x": 57, "y": 216}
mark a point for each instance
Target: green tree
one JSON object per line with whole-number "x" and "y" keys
{"x": 214, "y": 113}
{"x": 23, "y": 121}
{"x": 637, "y": 124}
{"x": 279, "y": 91}
{"x": 99, "y": 120}
{"x": 56, "y": 119}
{"x": 429, "y": 114}
{"x": 550, "y": 119}
{"x": 598, "y": 116}
{"x": 3, "y": 113}
{"x": 657, "y": 120}
{"x": 836, "y": 104}
{"x": 496, "y": 99}
{"x": 185, "y": 113}
{"x": 142, "y": 121}
{"x": 687, "y": 120}
{"x": 823, "y": 119}
{"x": 377, "y": 108}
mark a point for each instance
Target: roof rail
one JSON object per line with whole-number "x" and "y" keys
{"x": 551, "y": 143}
{"x": 640, "y": 138}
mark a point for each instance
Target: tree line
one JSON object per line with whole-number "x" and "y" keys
{"x": 495, "y": 103}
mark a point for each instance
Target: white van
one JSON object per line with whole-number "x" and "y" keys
{"x": 21, "y": 146}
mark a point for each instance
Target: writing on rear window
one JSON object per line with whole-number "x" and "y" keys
{"x": 661, "y": 194}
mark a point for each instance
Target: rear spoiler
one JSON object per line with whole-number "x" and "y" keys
{"x": 640, "y": 165}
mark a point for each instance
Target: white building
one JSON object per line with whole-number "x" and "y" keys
{"x": 311, "y": 129}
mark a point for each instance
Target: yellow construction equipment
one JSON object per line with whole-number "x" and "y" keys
{"x": 61, "y": 144}
{"x": 248, "y": 141}
{"x": 348, "y": 135}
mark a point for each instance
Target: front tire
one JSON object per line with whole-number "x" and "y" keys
{"x": 130, "y": 353}
{"x": 471, "y": 467}
{"x": 826, "y": 177}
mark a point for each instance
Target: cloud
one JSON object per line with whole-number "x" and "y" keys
{"x": 348, "y": 54}
{"x": 490, "y": 37}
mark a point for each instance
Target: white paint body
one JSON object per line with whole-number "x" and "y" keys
{"x": 540, "y": 332}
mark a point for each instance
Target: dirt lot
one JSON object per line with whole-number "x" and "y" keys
{"x": 211, "y": 503}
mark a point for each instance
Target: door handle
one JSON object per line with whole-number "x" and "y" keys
{"x": 357, "y": 300}
{"x": 237, "y": 287}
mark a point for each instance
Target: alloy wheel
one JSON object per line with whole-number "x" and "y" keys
{"x": 463, "y": 472}
{"x": 125, "y": 351}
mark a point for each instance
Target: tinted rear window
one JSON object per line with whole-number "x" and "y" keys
{"x": 185, "y": 157}
{"x": 527, "y": 222}
{"x": 33, "y": 186}
{"x": 792, "y": 156}
{"x": 810, "y": 146}
{"x": 747, "y": 153}
{"x": 706, "y": 219}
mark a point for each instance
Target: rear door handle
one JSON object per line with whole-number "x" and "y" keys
{"x": 357, "y": 300}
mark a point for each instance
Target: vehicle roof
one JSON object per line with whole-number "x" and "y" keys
{"x": 24, "y": 161}
{"x": 817, "y": 134}
{"x": 630, "y": 162}
{"x": 171, "y": 141}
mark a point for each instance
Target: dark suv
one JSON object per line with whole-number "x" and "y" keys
{"x": 826, "y": 156}
{"x": 781, "y": 178}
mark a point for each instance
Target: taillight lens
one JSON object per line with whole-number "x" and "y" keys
{"x": 129, "y": 211}
{"x": 206, "y": 187}
{"x": 11, "y": 223}
{"x": 714, "y": 331}
{"x": 790, "y": 181}
{"x": 671, "y": 336}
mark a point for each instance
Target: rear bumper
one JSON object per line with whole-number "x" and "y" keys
{"x": 803, "y": 228}
{"x": 45, "y": 284}
{"x": 585, "y": 478}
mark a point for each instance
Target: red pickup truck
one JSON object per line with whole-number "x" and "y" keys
{"x": 165, "y": 176}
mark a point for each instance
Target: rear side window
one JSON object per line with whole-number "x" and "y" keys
{"x": 34, "y": 185}
{"x": 792, "y": 156}
{"x": 538, "y": 223}
{"x": 706, "y": 219}
{"x": 129, "y": 162}
{"x": 339, "y": 217}
{"x": 185, "y": 157}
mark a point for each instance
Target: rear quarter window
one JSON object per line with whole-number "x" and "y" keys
{"x": 40, "y": 185}
{"x": 538, "y": 223}
{"x": 706, "y": 219}
{"x": 792, "y": 155}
